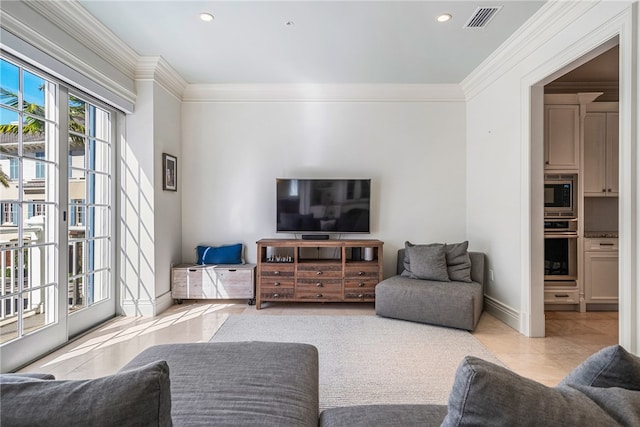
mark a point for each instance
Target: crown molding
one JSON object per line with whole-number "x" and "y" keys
{"x": 71, "y": 17}
{"x": 156, "y": 68}
{"x": 551, "y": 18}
{"x": 25, "y": 27}
{"x": 323, "y": 93}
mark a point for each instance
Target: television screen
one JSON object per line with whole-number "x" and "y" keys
{"x": 323, "y": 205}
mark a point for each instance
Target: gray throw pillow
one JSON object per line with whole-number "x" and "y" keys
{"x": 612, "y": 366}
{"x": 458, "y": 261}
{"x": 140, "y": 397}
{"x": 428, "y": 262}
{"x": 485, "y": 394}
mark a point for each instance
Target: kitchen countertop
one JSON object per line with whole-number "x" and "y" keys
{"x": 600, "y": 234}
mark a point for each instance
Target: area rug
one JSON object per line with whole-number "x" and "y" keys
{"x": 368, "y": 359}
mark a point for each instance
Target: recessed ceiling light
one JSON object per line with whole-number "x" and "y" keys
{"x": 206, "y": 17}
{"x": 444, "y": 17}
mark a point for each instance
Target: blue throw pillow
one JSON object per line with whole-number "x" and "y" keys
{"x": 227, "y": 254}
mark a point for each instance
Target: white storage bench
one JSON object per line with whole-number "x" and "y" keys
{"x": 222, "y": 281}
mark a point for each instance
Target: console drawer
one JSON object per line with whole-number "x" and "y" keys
{"x": 361, "y": 270}
{"x": 319, "y": 270}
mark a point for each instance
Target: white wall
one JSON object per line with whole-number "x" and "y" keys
{"x": 414, "y": 152}
{"x": 168, "y": 204}
{"x": 150, "y": 217}
{"x": 501, "y": 151}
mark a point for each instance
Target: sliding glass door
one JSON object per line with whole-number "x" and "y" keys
{"x": 56, "y": 198}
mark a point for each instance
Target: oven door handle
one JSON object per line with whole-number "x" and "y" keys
{"x": 560, "y": 236}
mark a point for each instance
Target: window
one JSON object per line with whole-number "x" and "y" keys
{"x": 40, "y": 166}
{"x": 9, "y": 214}
{"x": 14, "y": 170}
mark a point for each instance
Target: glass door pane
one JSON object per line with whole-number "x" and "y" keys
{"x": 89, "y": 203}
{"x": 28, "y": 132}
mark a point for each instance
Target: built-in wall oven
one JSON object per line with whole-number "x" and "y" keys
{"x": 560, "y": 250}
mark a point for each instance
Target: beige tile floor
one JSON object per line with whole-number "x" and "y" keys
{"x": 571, "y": 338}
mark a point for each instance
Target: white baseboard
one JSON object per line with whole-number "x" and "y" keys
{"x": 502, "y": 312}
{"x": 151, "y": 308}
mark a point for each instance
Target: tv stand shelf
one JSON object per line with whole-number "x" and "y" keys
{"x": 318, "y": 270}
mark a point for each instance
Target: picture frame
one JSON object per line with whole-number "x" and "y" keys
{"x": 169, "y": 172}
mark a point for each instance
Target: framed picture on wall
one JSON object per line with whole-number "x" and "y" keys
{"x": 170, "y": 175}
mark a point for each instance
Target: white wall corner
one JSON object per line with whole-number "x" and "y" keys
{"x": 323, "y": 93}
{"x": 552, "y": 17}
{"x": 156, "y": 68}
{"x": 503, "y": 312}
{"x": 147, "y": 307}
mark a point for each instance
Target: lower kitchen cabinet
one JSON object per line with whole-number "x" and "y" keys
{"x": 601, "y": 271}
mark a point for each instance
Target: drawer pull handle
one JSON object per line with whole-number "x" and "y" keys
{"x": 319, "y": 285}
{"x": 360, "y": 295}
{"x": 192, "y": 270}
{"x": 276, "y": 295}
{"x": 276, "y": 284}
{"x": 318, "y": 295}
{"x": 232, "y": 270}
{"x": 360, "y": 284}
{"x": 276, "y": 273}
{"x": 318, "y": 273}
{"x": 562, "y": 296}
{"x": 606, "y": 244}
{"x": 361, "y": 273}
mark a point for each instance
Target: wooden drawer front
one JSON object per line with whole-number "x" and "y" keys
{"x": 359, "y": 295}
{"x": 277, "y": 270}
{"x": 364, "y": 285}
{"x": 321, "y": 290}
{"x": 277, "y": 293}
{"x": 320, "y": 270}
{"x": 602, "y": 244}
{"x": 187, "y": 283}
{"x": 233, "y": 283}
{"x": 362, "y": 271}
{"x": 285, "y": 282}
{"x": 320, "y": 284}
{"x": 560, "y": 296}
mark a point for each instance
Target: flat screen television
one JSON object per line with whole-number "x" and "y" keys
{"x": 323, "y": 206}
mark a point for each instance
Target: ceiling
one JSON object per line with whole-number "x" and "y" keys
{"x": 395, "y": 42}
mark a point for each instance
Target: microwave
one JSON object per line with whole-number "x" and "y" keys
{"x": 559, "y": 195}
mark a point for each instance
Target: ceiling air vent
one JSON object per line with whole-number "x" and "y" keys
{"x": 482, "y": 16}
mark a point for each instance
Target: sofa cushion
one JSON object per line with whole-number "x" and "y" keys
{"x": 487, "y": 394}
{"x": 24, "y": 377}
{"x": 383, "y": 415}
{"x": 612, "y": 366}
{"x": 427, "y": 262}
{"x": 226, "y": 254}
{"x": 136, "y": 397}
{"x": 240, "y": 383}
{"x": 458, "y": 261}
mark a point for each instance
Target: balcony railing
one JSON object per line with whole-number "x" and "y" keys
{"x": 26, "y": 287}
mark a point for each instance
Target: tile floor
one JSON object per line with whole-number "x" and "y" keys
{"x": 571, "y": 338}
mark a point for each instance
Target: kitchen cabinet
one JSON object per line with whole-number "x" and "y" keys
{"x": 562, "y": 137}
{"x": 600, "y": 154}
{"x": 601, "y": 270}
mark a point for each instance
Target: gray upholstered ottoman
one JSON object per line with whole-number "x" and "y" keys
{"x": 453, "y": 304}
{"x": 239, "y": 383}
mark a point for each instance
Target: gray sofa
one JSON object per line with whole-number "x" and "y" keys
{"x": 456, "y": 304}
{"x": 276, "y": 384}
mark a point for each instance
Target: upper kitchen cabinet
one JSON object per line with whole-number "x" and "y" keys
{"x": 562, "y": 137}
{"x": 600, "y": 146}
